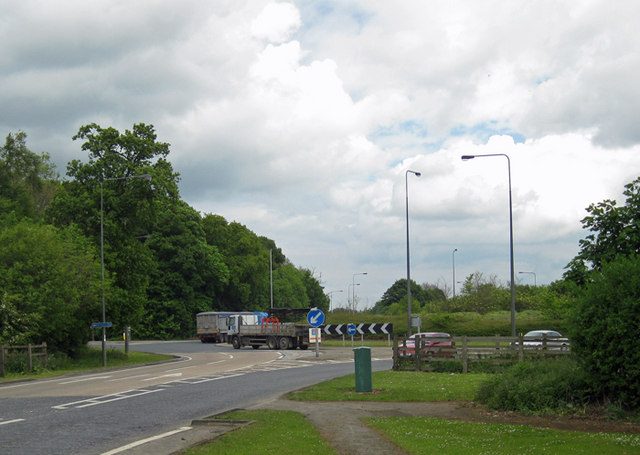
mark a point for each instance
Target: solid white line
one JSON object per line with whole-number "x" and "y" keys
{"x": 12, "y": 421}
{"x": 144, "y": 441}
{"x": 84, "y": 379}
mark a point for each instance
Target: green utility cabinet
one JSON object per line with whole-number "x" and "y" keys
{"x": 362, "y": 357}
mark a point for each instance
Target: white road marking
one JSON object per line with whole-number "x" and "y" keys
{"x": 84, "y": 379}
{"x": 105, "y": 399}
{"x": 172, "y": 375}
{"x": 11, "y": 421}
{"x": 144, "y": 441}
{"x": 128, "y": 377}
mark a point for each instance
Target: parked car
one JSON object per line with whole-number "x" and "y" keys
{"x": 437, "y": 344}
{"x": 536, "y": 340}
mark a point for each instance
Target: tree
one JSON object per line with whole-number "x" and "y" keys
{"x": 49, "y": 285}
{"x": 27, "y": 180}
{"x": 129, "y": 207}
{"x": 188, "y": 273}
{"x": 397, "y": 292}
{"x": 613, "y": 230}
{"x": 604, "y": 331}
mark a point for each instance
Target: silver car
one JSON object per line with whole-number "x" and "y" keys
{"x": 549, "y": 339}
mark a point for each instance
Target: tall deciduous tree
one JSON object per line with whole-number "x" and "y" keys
{"x": 129, "y": 206}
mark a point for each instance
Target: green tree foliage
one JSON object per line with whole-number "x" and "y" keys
{"x": 604, "y": 332}
{"x": 247, "y": 260}
{"x": 187, "y": 276}
{"x": 50, "y": 284}
{"x": 613, "y": 230}
{"x": 394, "y": 299}
{"x": 27, "y": 180}
{"x": 129, "y": 207}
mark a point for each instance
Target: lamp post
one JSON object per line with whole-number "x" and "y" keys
{"x": 406, "y": 192}
{"x": 453, "y": 265}
{"x": 353, "y": 301}
{"x": 535, "y": 279}
{"x": 513, "y": 292}
{"x": 331, "y": 297}
{"x": 104, "y": 318}
{"x": 350, "y": 291}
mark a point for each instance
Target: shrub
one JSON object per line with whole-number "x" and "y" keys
{"x": 604, "y": 333}
{"x": 555, "y": 385}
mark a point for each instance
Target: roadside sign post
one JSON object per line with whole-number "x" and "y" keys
{"x": 351, "y": 330}
{"x": 315, "y": 318}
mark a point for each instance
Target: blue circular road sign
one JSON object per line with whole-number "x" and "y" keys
{"x": 315, "y": 317}
{"x": 351, "y": 329}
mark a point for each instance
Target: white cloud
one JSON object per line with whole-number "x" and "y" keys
{"x": 299, "y": 119}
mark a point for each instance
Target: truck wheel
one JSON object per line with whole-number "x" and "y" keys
{"x": 304, "y": 347}
{"x": 272, "y": 343}
{"x": 235, "y": 341}
{"x": 284, "y": 343}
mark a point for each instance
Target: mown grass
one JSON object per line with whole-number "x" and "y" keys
{"x": 274, "y": 432}
{"x": 409, "y": 386}
{"x": 447, "y": 437}
{"x": 85, "y": 359}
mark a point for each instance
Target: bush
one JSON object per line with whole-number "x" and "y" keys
{"x": 604, "y": 332}
{"x": 550, "y": 386}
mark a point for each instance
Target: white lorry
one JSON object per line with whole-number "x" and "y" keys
{"x": 214, "y": 326}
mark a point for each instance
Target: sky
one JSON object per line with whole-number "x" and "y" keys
{"x": 300, "y": 120}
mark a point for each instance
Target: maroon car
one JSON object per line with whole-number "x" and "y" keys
{"x": 437, "y": 344}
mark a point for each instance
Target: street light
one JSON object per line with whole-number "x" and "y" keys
{"x": 535, "y": 279}
{"x": 353, "y": 301}
{"x": 406, "y": 192}
{"x": 331, "y": 297}
{"x": 453, "y": 263}
{"x": 350, "y": 291}
{"x": 513, "y": 292}
{"x": 146, "y": 177}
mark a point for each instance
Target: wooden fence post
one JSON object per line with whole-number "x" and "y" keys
{"x": 46, "y": 357}
{"x": 465, "y": 365}
{"x": 30, "y": 359}
{"x": 2, "y": 360}
{"x": 521, "y": 348}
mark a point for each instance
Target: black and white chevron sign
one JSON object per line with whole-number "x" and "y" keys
{"x": 362, "y": 329}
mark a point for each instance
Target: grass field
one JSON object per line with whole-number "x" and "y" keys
{"x": 87, "y": 359}
{"x": 397, "y": 386}
{"x": 274, "y": 432}
{"x": 427, "y": 436}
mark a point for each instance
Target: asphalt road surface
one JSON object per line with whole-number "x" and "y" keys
{"x": 98, "y": 412}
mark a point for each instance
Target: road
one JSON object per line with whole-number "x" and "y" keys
{"x": 100, "y": 411}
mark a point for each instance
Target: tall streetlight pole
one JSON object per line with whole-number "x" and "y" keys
{"x": 512, "y": 273}
{"x": 147, "y": 177}
{"x": 331, "y": 297}
{"x": 354, "y": 289}
{"x": 406, "y": 192}
{"x": 535, "y": 279}
{"x": 453, "y": 265}
{"x": 350, "y": 291}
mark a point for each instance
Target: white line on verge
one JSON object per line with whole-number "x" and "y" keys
{"x": 144, "y": 441}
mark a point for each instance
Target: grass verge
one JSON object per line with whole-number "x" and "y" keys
{"x": 428, "y": 435}
{"x": 86, "y": 359}
{"x": 274, "y": 432}
{"x": 397, "y": 386}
